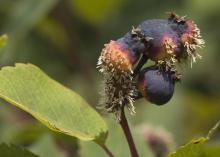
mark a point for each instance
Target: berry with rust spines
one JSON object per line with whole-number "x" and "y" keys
{"x": 117, "y": 56}
{"x": 171, "y": 40}
{"x": 116, "y": 63}
{"x": 156, "y": 85}
{"x": 164, "y": 41}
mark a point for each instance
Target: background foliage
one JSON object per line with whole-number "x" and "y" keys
{"x": 64, "y": 39}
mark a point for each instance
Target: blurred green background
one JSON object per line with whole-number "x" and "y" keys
{"x": 65, "y": 37}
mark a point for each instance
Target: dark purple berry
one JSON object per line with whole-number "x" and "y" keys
{"x": 172, "y": 39}
{"x": 156, "y": 85}
{"x": 164, "y": 39}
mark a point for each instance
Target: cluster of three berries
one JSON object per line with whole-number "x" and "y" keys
{"x": 163, "y": 41}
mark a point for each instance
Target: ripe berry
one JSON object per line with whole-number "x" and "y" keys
{"x": 163, "y": 41}
{"x": 157, "y": 86}
{"x": 171, "y": 39}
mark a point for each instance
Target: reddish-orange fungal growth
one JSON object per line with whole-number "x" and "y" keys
{"x": 116, "y": 63}
{"x": 169, "y": 45}
{"x": 166, "y": 53}
{"x": 192, "y": 40}
{"x": 164, "y": 41}
{"x": 167, "y": 48}
{"x": 191, "y": 34}
{"x": 117, "y": 57}
{"x": 175, "y": 39}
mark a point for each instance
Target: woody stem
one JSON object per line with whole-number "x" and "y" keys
{"x": 128, "y": 135}
{"x": 140, "y": 64}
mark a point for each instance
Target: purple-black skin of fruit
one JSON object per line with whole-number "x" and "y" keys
{"x": 158, "y": 30}
{"x": 161, "y": 40}
{"x": 131, "y": 47}
{"x": 137, "y": 46}
{"x": 157, "y": 86}
{"x": 155, "y": 29}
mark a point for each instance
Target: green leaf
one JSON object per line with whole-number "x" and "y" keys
{"x": 195, "y": 147}
{"x": 3, "y": 40}
{"x": 14, "y": 151}
{"x": 57, "y": 107}
{"x": 191, "y": 149}
{"x": 212, "y": 150}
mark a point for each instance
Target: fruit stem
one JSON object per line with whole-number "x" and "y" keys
{"x": 127, "y": 132}
{"x": 106, "y": 149}
{"x": 140, "y": 64}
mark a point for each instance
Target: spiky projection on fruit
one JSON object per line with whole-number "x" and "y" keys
{"x": 116, "y": 63}
{"x": 172, "y": 40}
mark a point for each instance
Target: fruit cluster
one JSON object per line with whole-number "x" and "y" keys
{"x": 164, "y": 41}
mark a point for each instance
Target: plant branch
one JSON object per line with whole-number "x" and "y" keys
{"x": 127, "y": 132}
{"x": 140, "y": 64}
{"x": 105, "y": 148}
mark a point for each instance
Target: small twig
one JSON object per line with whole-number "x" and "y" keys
{"x": 140, "y": 64}
{"x": 105, "y": 148}
{"x": 127, "y": 132}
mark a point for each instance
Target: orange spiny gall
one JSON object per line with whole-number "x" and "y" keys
{"x": 116, "y": 63}
{"x": 116, "y": 56}
{"x": 191, "y": 39}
